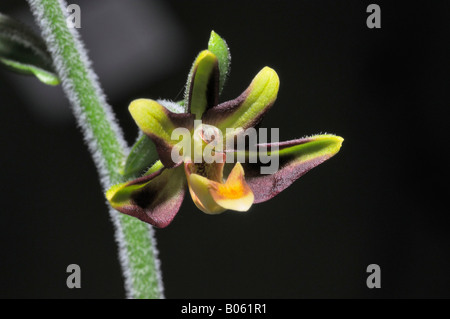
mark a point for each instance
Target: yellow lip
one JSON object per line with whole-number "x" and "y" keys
{"x": 214, "y": 197}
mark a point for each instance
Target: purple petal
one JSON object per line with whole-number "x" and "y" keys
{"x": 296, "y": 158}
{"x": 154, "y": 198}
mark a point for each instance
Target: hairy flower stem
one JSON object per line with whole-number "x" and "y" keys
{"x": 137, "y": 251}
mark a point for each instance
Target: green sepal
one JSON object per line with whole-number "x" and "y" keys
{"x": 248, "y": 109}
{"x": 24, "y": 52}
{"x": 158, "y": 123}
{"x": 220, "y": 49}
{"x": 202, "y": 88}
{"x": 120, "y": 194}
{"x": 295, "y": 151}
{"x": 154, "y": 198}
{"x": 142, "y": 155}
{"x": 293, "y": 159}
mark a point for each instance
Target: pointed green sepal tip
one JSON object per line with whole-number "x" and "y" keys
{"x": 203, "y": 84}
{"x": 260, "y": 96}
{"x": 324, "y": 145}
{"x": 264, "y": 87}
{"x": 120, "y": 194}
{"x": 248, "y": 109}
{"x": 313, "y": 150}
{"x": 294, "y": 158}
{"x": 219, "y": 47}
{"x": 116, "y": 201}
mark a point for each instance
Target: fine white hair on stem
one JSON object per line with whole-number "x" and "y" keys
{"x": 151, "y": 232}
{"x": 92, "y": 125}
{"x": 122, "y": 252}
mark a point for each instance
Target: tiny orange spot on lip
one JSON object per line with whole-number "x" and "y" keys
{"x": 235, "y": 194}
{"x": 214, "y": 197}
{"x": 233, "y": 191}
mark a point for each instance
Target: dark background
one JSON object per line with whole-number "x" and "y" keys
{"x": 382, "y": 199}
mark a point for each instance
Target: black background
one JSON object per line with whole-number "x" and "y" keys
{"x": 382, "y": 199}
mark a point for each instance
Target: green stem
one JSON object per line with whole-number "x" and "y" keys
{"x": 105, "y": 140}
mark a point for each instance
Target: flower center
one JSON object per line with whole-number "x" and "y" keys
{"x": 206, "y": 134}
{"x": 211, "y": 171}
{"x": 208, "y": 144}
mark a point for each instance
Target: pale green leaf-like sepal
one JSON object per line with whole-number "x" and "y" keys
{"x": 142, "y": 155}
{"x": 219, "y": 47}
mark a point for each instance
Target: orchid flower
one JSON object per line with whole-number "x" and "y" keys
{"x": 215, "y": 186}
